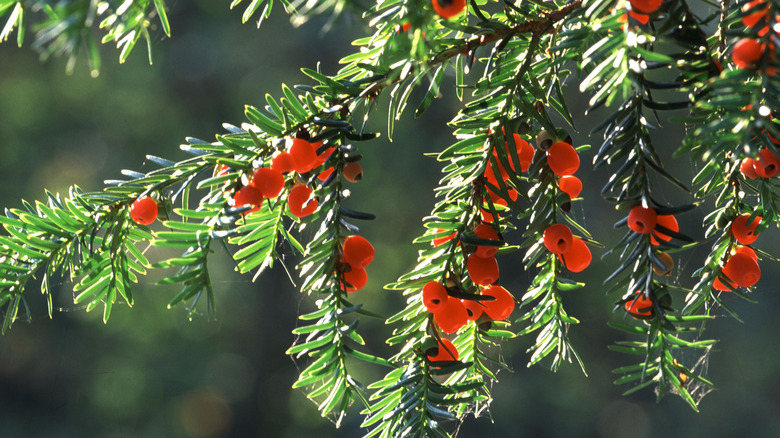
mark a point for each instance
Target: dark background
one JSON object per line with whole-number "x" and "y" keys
{"x": 150, "y": 372}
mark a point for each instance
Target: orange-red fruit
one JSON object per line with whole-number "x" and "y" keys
{"x": 325, "y": 174}
{"x": 646, "y": 6}
{"x": 719, "y": 285}
{"x": 482, "y": 270}
{"x": 448, "y": 8}
{"x": 747, "y": 251}
{"x": 353, "y": 172}
{"x": 525, "y": 153}
{"x": 742, "y": 269}
{"x": 484, "y": 231}
{"x": 667, "y": 221}
{"x": 473, "y": 308}
{"x": 667, "y": 261}
{"x": 143, "y": 211}
{"x": 300, "y": 201}
{"x": 270, "y": 182}
{"x": 767, "y": 164}
{"x": 446, "y": 351}
{"x": 357, "y": 251}
{"x": 355, "y": 279}
{"x": 434, "y": 296}
{"x": 578, "y": 257}
{"x": 759, "y": 14}
{"x": 563, "y": 159}
{"x": 642, "y": 220}
{"x": 557, "y": 238}
{"x": 746, "y": 167}
{"x": 439, "y": 241}
{"x": 283, "y": 162}
{"x": 746, "y": 52}
{"x": 452, "y": 316}
{"x": 248, "y": 195}
{"x": 570, "y": 185}
{"x": 744, "y": 232}
{"x": 502, "y": 306}
{"x": 639, "y": 305}
{"x": 323, "y": 157}
{"x": 304, "y": 155}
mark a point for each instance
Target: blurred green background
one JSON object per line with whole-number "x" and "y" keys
{"x": 152, "y": 373}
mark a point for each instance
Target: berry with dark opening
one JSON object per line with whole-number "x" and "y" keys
{"x": 746, "y": 53}
{"x": 300, "y": 201}
{"x": 482, "y": 270}
{"x": 667, "y": 221}
{"x": 357, "y": 251}
{"x": 642, "y": 220}
{"x": 248, "y": 195}
{"x": 143, "y": 211}
{"x": 571, "y": 185}
{"x": 283, "y": 162}
{"x": 563, "y": 159}
{"x": 270, "y": 182}
{"x": 446, "y": 351}
{"x": 502, "y": 306}
{"x": 473, "y": 308}
{"x": 646, "y": 6}
{"x": 452, "y": 316}
{"x": 743, "y": 231}
{"x": 304, "y": 155}
{"x": 767, "y": 164}
{"x": 557, "y": 238}
{"x": 434, "y": 296}
{"x": 354, "y": 279}
{"x": 639, "y": 305}
{"x": 353, "y": 171}
{"x": 578, "y": 257}
{"x": 746, "y": 167}
{"x": 449, "y": 8}
{"x": 485, "y": 231}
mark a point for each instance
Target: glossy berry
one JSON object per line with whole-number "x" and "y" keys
{"x": 578, "y": 257}
{"x": 283, "y": 162}
{"x": 300, "y": 201}
{"x": 325, "y": 174}
{"x": 646, "y": 6}
{"x": 743, "y": 231}
{"x": 667, "y": 221}
{"x": 742, "y": 269}
{"x": 357, "y": 251}
{"x": 445, "y": 351}
{"x": 667, "y": 262}
{"x": 642, "y": 220}
{"x": 353, "y": 172}
{"x": 248, "y": 195}
{"x": 439, "y": 241}
{"x": 746, "y": 167}
{"x": 721, "y": 286}
{"x": 304, "y": 155}
{"x": 473, "y": 308}
{"x": 745, "y": 250}
{"x": 639, "y": 305}
{"x": 270, "y": 182}
{"x": 452, "y": 316}
{"x": 503, "y": 305}
{"x": 563, "y": 159}
{"x": 759, "y": 15}
{"x": 571, "y": 185}
{"x": 143, "y": 211}
{"x": 484, "y": 231}
{"x": 434, "y": 296}
{"x": 482, "y": 270}
{"x": 354, "y": 279}
{"x": 557, "y": 238}
{"x": 449, "y": 8}
{"x": 766, "y": 164}
{"x": 746, "y": 53}
{"x": 323, "y": 156}
{"x": 525, "y": 153}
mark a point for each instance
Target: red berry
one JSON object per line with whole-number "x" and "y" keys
{"x": 452, "y": 316}
{"x": 557, "y": 238}
{"x": 742, "y": 269}
{"x": 719, "y": 285}
{"x": 354, "y": 279}
{"x": 745, "y": 250}
{"x": 404, "y": 27}
{"x": 439, "y": 241}
{"x": 270, "y": 182}
{"x": 143, "y": 211}
{"x": 325, "y": 174}
{"x": 304, "y": 155}
{"x": 448, "y": 8}
{"x": 646, "y": 6}
{"x": 323, "y": 157}
{"x": 642, "y": 220}
{"x": 667, "y": 221}
{"x": 744, "y": 232}
{"x": 473, "y": 308}
{"x": 746, "y": 53}
{"x": 300, "y": 201}
{"x": 353, "y": 172}
{"x": 283, "y": 162}
{"x": 570, "y": 185}
{"x": 578, "y": 257}
{"x": 482, "y": 270}
{"x": 502, "y": 306}
{"x": 760, "y": 11}
{"x": 746, "y": 167}
{"x": 563, "y": 159}
{"x": 484, "y": 231}
{"x": 248, "y": 195}
{"x": 434, "y": 296}
{"x": 639, "y": 305}
{"x": 767, "y": 164}
{"x": 525, "y": 153}
{"x": 446, "y": 351}
{"x": 358, "y": 251}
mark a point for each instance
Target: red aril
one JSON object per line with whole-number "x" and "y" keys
{"x": 452, "y": 316}
{"x": 563, "y": 159}
{"x": 434, "y": 296}
{"x": 744, "y": 232}
{"x": 283, "y": 162}
{"x": 143, "y": 211}
{"x": 304, "y": 155}
{"x": 639, "y": 305}
{"x": 746, "y": 167}
{"x": 357, "y": 251}
{"x": 571, "y": 185}
{"x": 449, "y": 8}
{"x": 484, "y": 231}
{"x": 270, "y": 182}
{"x": 766, "y": 164}
{"x": 482, "y": 270}
{"x": 354, "y": 279}
{"x": 578, "y": 257}
{"x": 642, "y": 220}
{"x": 502, "y": 306}
{"x": 667, "y": 221}
{"x": 473, "y": 308}
{"x": 300, "y": 201}
{"x": 746, "y": 53}
{"x": 445, "y": 351}
{"x": 557, "y": 238}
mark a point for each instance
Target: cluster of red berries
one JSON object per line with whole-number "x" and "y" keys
{"x": 741, "y": 268}
{"x": 571, "y": 250}
{"x": 564, "y": 161}
{"x": 143, "y": 211}
{"x": 747, "y": 52}
{"x": 525, "y": 154}
{"x": 494, "y": 303}
{"x": 765, "y": 165}
{"x": 356, "y": 253}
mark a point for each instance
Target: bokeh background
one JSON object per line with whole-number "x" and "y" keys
{"x": 150, "y": 372}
